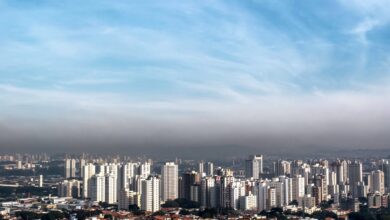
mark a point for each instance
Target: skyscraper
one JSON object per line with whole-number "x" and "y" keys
{"x": 127, "y": 172}
{"x": 188, "y": 180}
{"x": 282, "y": 167}
{"x": 355, "y": 175}
{"x": 169, "y": 181}
{"x": 111, "y": 188}
{"x": 209, "y": 169}
{"x": 150, "y": 197}
{"x": 97, "y": 188}
{"x": 80, "y": 168}
{"x": 88, "y": 172}
{"x": 386, "y": 171}
{"x": 69, "y": 188}
{"x": 298, "y": 187}
{"x": 208, "y": 192}
{"x": 201, "y": 167}
{"x": 377, "y": 182}
{"x": 40, "y": 183}
{"x": 70, "y": 168}
{"x": 124, "y": 199}
{"x": 254, "y": 166}
{"x": 144, "y": 169}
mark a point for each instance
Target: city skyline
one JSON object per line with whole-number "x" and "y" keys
{"x": 336, "y": 188}
{"x": 194, "y": 78}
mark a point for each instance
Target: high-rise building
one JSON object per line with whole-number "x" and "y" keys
{"x": 111, "y": 188}
{"x": 124, "y": 199}
{"x": 254, "y": 166}
{"x": 97, "y": 188}
{"x": 261, "y": 192}
{"x": 209, "y": 169}
{"x": 248, "y": 202}
{"x": 271, "y": 198}
{"x": 287, "y": 191}
{"x": 169, "y": 181}
{"x": 279, "y": 191}
{"x": 235, "y": 190}
{"x": 282, "y": 167}
{"x": 188, "y": 179}
{"x": 127, "y": 172}
{"x": 80, "y": 168}
{"x": 40, "y": 183}
{"x": 377, "y": 182}
{"x": 195, "y": 193}
{"x": 144, "y": 169}
{"x": 355, "y": 175}
{"x": 386, "y": 171}
{"x": 201, "y": 167}
{"x": 70, "y": 168}
{"x": 226, "y": 191}
{"x": 208, "y": 193}
{"x": 320, "y": 181}
{"x": 150, "y": 197}
{"x": 88, "y": 172}
{"x": 19, "y": 164}
{"x": 374, "y": 200}
{"x": 69, "y": 188}
{"x": 298, "y": 187}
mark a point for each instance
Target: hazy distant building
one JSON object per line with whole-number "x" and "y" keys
{"x": 70, "y": 168}
{"x": 355, "y": 175}
{"x": 195, "y": 193}
{"x": 80, "y": 167}
{"x": 254, "y": 166}
{"x": 69, "y": 188}
{"x": 386, "y": 172}
{"x": 282, "y": 167}
{"x": 201, "y": 167}
{"x": 40, "y": 182}
{"x": 377, "y": 182}
{"x": 209, "y": 169}
{"x": 144, "y": 169}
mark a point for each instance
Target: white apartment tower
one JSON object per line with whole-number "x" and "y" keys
{"x": 111, "y": 188}
{"x": 209, "y": 169}
{"x": 128, "y": 171}
{"x": 150, "y": 197}
{"x": 70, "y": 168}
{"x": 298, "y": 187}
{"x": 88, "y": 172}
{"x": 169, "y": 181}
{"x": 97, "y": 188}
{"x": 144, "y": 169}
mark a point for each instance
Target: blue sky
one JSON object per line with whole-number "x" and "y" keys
{"x": 162, "y": 59}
